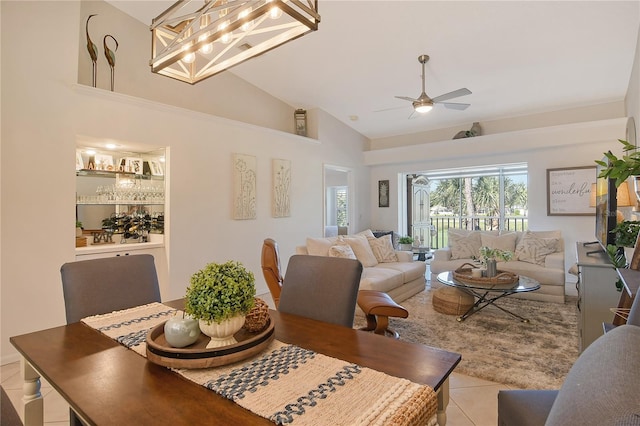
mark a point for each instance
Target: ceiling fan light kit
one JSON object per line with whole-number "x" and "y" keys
{"x": 195, "y": 39}
{"x": 423, "y": 107}
{"x": 423, "y": 103}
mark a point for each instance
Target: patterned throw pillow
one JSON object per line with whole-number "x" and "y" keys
{"x": 533, "y": 249}
{"x": 362, "y": 249}
{"x": 343, "y": 250}
{"x": 464, "y": 244}
{"x": 383, "y": 249}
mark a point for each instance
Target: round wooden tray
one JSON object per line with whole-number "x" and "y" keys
{"x": 503, "y": 279}
{"x": 198, "y": 356}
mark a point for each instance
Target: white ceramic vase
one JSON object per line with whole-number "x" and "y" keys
{"x": 222, "y": 334}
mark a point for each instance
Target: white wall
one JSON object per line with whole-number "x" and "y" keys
{"x": 223, "y": 95}
{"x": 632, "y": 100}
{"x": 43, "y": 110}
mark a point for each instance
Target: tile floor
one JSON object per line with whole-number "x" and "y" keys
{"x": 472, "y": 401}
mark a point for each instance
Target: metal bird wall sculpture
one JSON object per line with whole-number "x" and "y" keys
{"x": 93, "y": 52}
{"x": 110, "y": 55}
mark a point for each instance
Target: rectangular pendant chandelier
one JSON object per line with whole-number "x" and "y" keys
{"x": 195, "y": 39}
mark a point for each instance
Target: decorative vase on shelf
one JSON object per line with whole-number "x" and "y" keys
{"x": 492, "y": 268}
{"x": 222, "y": 334}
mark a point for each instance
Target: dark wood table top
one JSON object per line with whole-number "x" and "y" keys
{"x": 107, "y": 383}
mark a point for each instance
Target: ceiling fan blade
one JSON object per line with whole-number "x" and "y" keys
{"x": 453, "y": 105}
{"x": 456, "y": 93}
{"x": 389, "y": 109}
{"x": 406, "y": 98}
{"x": 413, "y": 115}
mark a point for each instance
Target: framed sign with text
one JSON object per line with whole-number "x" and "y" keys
{"x": 569, "y": 191}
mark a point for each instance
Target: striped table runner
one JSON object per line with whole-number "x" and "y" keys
{"x": 289, "y": 384}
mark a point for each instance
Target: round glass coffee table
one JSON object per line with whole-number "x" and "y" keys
{"x": 489, "y": 295}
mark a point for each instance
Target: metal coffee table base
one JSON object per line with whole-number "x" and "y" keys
{"x": 483, "y": 301}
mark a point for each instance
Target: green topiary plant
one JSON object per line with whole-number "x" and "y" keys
{"x": 220, "y": 291}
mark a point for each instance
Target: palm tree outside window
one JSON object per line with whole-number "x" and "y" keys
{"x": 487, "y": 198}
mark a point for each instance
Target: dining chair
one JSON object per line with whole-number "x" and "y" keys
{"x": 100, "y": 286}
{"x": 270, "y": 261}
{"x": 322, "y": 288}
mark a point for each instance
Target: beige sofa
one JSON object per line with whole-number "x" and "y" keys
{"x": 537, "y": 254}
{"x": 384, "y": 269}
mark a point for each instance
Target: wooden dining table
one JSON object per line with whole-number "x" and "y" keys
{"x": 107, "y": 384}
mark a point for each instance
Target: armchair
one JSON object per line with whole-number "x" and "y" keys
{"x": 602, "y": 388}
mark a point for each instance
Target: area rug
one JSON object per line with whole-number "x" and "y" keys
{"x": 496, "y": 346}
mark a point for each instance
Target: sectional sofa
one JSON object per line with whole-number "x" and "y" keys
{"x": 384, "y": 268}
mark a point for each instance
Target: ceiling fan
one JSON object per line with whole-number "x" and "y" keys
{"x": 423, "y": 103}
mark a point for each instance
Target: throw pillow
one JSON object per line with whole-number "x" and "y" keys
{"x": 502, "y": 242}
{"x": 343, "y": 250}
{"x": 394, "y": 236}
{"x": 368, "y": 233}
{"x": 320, "y": 246}
{"x": 464, "y": 245}
{"x": 382, "y": 249}
{"x": 533, "y": 249}
{"x": 362, "y": 249}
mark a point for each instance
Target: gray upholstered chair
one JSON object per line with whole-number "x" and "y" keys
{"x": 602, "y": 388}
{"x": 322, "y": 288}
{"x": 99, "y": 286}
{"x": 634, "y": 312}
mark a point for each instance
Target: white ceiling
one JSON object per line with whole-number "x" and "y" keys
{"x": 517, "y": 58}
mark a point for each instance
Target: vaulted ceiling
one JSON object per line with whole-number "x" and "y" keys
{"x": 516, "y": 57}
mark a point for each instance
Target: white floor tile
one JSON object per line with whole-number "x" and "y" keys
{"x": 480, "y": 404}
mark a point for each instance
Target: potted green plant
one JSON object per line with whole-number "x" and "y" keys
{"x": 490, "y": 256}
{"x": 219, "y": 296}
{"x": 78, "y": 228}
{"x": 626, "y": 233}
{"x": 405, "y": 243}
{"x": 618, "y": 260}
{"x": 621, "y": 168}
